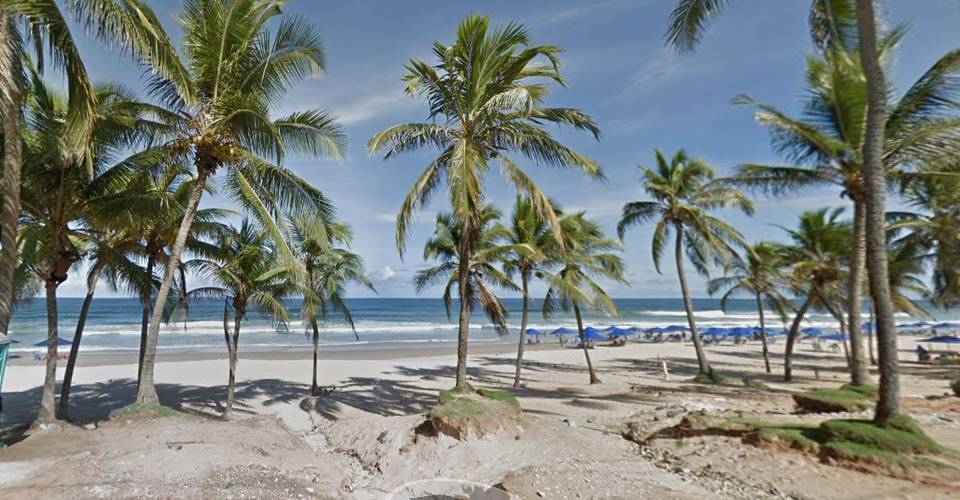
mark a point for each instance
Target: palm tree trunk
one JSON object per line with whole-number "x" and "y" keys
{"x": 858, "y": 363}
{"x": 47, "y": 397}
{"x": 147, "y": 392}
{"x": 10, "y": 100}
{"x": 888, "y": 403}
{"x": 524, "y": 282}
{"x": 232, "y": 353}
{"x": 792, "y": 338}
{"x": 64, "y": 403}
{"x": 145, "y": 301}
{"x": 583, "y": 343}
{"x": 688, "y": 306}
{"x": 463, "y": 331}
{"x": 314, "y": 388}
{"x": 763, "y": 334}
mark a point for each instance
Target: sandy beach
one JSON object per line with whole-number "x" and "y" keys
{"x": 361, "y": 432}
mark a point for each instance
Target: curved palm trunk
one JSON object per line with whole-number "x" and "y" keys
{"x": 314, "y": 388}
{"x": 524, "y": 282}
{"x": 792, "y": 338}
{"x": 463, "y": 331}
{"x": 47, "y": 397}
{"x": 763, "y": 334}
{"x": 64, "y": 403}
{"x": 888, "y": 404}
{"x": 838, "y": 315}
{"x": 145, "y": 301}
{"x": 583, "y": 343}
{"x": 232, "y": 344}
{"x": 10, "y": 100}
{"x": 147, "y": 392}
{"x": 688, "y": 306}
{"x": 857, "y": 359}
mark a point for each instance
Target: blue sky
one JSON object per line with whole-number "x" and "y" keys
{"x": 643, "y": 96}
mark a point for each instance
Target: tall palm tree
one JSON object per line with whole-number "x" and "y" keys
{"x": 233, "y": 71}
{"x": 759, "y": 273}
{"x": 827, "y": 143}
{"x": 128, "y": 24}
{"x": 112, "y": 256}
{"x": 820, "y": 245}
{"x": 329, "y": 269}
{"x": 585, "y": 256}
{"x": 151, "y": 206}
{"x": 489, "y": 249}
{"x": 56, "y": 191}
{"x": 486, "y": 94}
{"x": 683, "y": 190}
{"x": 245, "y": 273}
{"x": 529, "y": 229}
{"x": 851, "y": 23}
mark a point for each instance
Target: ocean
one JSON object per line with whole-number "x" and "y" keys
{"x": 113, "y": 324}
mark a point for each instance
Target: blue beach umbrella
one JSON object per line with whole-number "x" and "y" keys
{"x": 620, "y": 332}
{"x": 946, "y": 325}
{"x": 563, "y": 331}
{"x": 654, "y": 329}
{"x": 942, "y": 339}
{"x": 714, "y": 331}
{"x": 833, "y": 336}
{"x": 918, "y": 324}
{"x": 533, "y": 331}
{"x": 741, "y": 331}
{"x": 674, "y": 328}
{"x": 591, "y": 333}
{"x": 812, "y": 330}
{"x": 60, "y": 342}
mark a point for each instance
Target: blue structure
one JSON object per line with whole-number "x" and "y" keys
{"x": 563, "y": 331}
{"x": 592, "y": 334}
{"x": 620, "y": 332}
{"x": 533, "y": 331}
{"x": 942, "y": 339}
{"x": 4, "y": 349}
{"x": 61, "y": 342}
{"x": 675, "y": 328}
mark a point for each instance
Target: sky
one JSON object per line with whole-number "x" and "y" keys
{"x": 642, "y": 94}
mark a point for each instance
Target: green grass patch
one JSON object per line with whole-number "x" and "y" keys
{"x": 501, "y": 396}
{"x": 899, "y": 437}
{"x": 454, "y": 404}
{"x": 848, "y": 398}
{"x": 152, "y": 410}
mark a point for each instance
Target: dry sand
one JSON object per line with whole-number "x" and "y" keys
{"x": 357, "y": 440}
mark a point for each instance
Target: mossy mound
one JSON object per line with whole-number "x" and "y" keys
{"x": 848, "y": 398}
{"x": 469, "y": 411}
{"x": 145, "y": 410}
{"x": 955, "y": 385}
{"x": 899, "y": 448}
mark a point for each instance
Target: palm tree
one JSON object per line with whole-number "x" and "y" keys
{"x": 683, "y": 191}
{"x": 56, "y": 191}
{"x": 329, "y": 269}
{"x": 529, "y": 229}
{"x": 246, "y": 273}
{"x": 112, "y": 255}
{"x": 585, "y": 256}
{"x": 486, "y": 94}
{"x": 820, "y": 246}
{"x": 489, "y": 249}
{"x": 853, "y": 25}
{"x": 233, "y": 72}
{"x": 127, "y": 23}
{"x": 828, "y": 140}
{"x": 759, "y": 274}
{"x": 151, "y": 206}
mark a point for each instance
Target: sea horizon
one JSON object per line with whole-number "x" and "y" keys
{"x": 113, "y": 323}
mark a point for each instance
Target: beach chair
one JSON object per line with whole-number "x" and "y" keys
{"x": 39, "y": 356}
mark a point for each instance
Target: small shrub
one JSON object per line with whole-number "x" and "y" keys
{"x": 955, "y": 385}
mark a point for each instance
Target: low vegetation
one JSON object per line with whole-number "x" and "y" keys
{"x": 955, "y": 385}
{"x": 848, "y": 398}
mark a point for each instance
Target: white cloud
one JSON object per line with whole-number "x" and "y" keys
{"x": 374, "y": 105}
{"x": 386, "y": 272}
